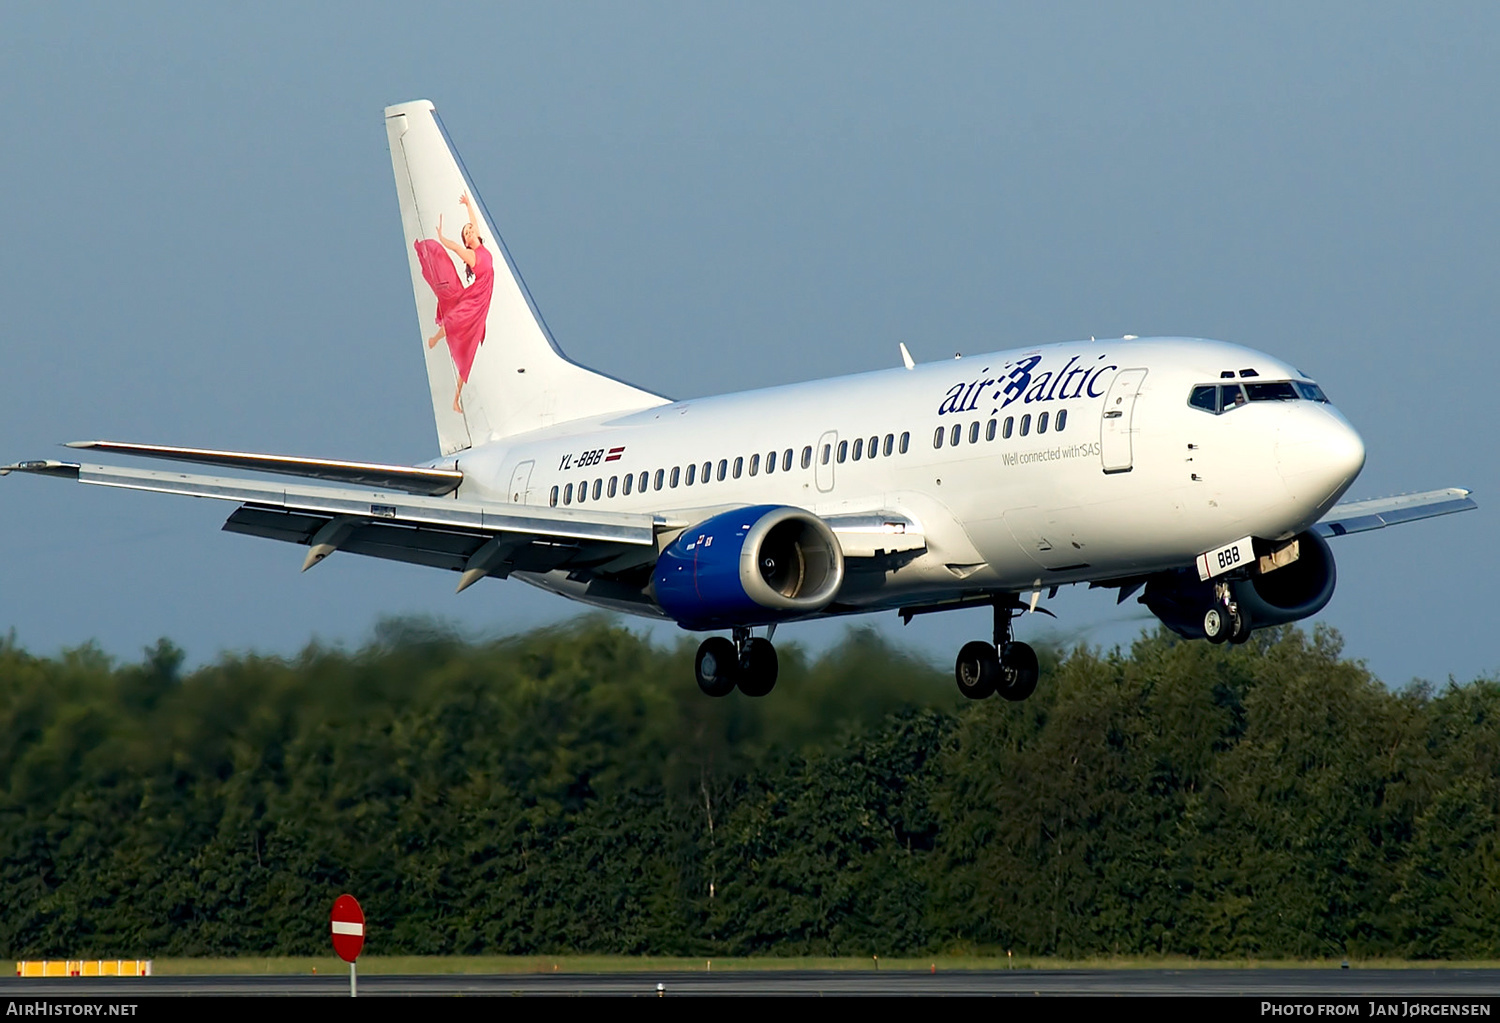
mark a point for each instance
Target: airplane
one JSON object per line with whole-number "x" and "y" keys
{"x": 1204, "y": 475}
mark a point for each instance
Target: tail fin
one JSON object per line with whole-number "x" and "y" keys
{"x": 487, "y": 349}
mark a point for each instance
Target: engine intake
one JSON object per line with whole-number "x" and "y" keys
{"x": 1288, "y": 594}
{"x": 753, "y": 566}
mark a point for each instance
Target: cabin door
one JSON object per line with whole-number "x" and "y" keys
{"x": 1116, "y": 427}
{"x": 520, "y": 482}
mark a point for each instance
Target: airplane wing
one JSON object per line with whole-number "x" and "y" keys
{"x": 411, "y": 479}
{"x": 463, "y": 536}
{"x": 420, "y": 526}
{"x": 1359, "y": 516}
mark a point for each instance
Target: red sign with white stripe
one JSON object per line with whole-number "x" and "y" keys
{"x": 347, "y": 921}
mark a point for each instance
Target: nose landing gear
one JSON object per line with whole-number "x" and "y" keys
{"x": 1225, "y": 620}
{"x": 748, "y": 662}
{"x": 1004, "y": 666}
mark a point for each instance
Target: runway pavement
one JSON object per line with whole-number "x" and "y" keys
{"x": 1259, "y": 983}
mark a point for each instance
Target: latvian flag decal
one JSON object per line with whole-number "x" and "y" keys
{"x": 614, "y": 454}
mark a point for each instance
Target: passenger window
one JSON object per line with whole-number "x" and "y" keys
{"x": 843, "y": 451}
{"x": 786, "y": 460}
{"x": 974, "y": 432}
{"x": 614, "y": 482}
{"x": 1205, "y": 398}
{"x": 954, "y": 434}
{"x": 827, "y": 453}
{"x": 641, "y": 486}
{"x": 676, "y": 477}
{"x": 724, "y": 469}
{"x": 937, "y": 437}
{"x": 568, "y": 494}
{"x": 905, "y": 440}
{"x": 806, "y": 457}
{"x": 552, "y": 500}
{"x": 1025, "y": 424}
{"x": 754, "y": 464}
{"x": 661, "y": 475}
{"x": 692, "y": 474}
{"x": 628, "y": 481}
{"x": 1010, "y": 425}
{"x": 859, "y": 448}
{"x": 739, "y": 465}
{"x": 708, "y": 468}
{"x": 1041, "y": 423}
{"x": 1062, "y": 419}
{"x": 598, "y": 486}
{"x": 890, "y": 442}
{"x": 875, "y": 446}
{"x": 989, "y": 430}
{"x": 583, "y": 491}
{"x": 771, "y": 462}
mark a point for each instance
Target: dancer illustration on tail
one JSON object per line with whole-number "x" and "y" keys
{"x": 461, "y": 310}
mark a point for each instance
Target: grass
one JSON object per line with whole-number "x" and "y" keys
{"x": 390, "y": 965}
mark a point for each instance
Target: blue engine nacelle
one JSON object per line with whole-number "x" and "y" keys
{"x": 1287, "y": 594}
{"x": 753, "y": 566}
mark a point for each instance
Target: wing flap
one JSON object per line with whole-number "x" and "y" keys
{"x": 1360, "y": 516}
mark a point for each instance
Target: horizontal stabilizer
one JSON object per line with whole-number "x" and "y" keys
{"x": 410, "y": 479}
{"x": 1359, "y": 516}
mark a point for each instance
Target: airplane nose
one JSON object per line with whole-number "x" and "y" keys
{"x": 1318, "y": 455}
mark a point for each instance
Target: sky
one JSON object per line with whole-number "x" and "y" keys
{"x": 203, "y": 248}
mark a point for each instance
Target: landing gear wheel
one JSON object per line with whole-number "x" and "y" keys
{"x": 1239, "y": 626}
{"x": 1018, "y": 672}
{"x": 758, "y": 667}
{"x": 977, "y": 670}
{"x": 1216, "y": 624}
{"x": 716, "y": 666}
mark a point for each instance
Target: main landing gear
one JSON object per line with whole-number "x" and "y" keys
{"x": 747, "y": 662}
{"x": 1003, "y": 666}
{"x": 1225, "y": 620}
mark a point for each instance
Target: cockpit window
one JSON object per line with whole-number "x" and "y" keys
{"x": 1220, "y": 398}
{"x": 1279, "y": 391}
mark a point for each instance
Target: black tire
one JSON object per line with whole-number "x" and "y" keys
{"x": 758, "y": 668}
{"x": 1239, "y": 626}
{"x": 1216, "y": 623}
{"x": 976, "y": 670}
{"x": 1019, "y": 672}
{"x": 716, "y": 666}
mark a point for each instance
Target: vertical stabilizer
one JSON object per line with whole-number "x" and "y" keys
{"x": 493, "y": 369}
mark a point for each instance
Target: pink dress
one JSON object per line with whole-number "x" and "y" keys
{"x": 461, "y": 311}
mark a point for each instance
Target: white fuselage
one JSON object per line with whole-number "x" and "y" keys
{"x": 1106, "y": 496}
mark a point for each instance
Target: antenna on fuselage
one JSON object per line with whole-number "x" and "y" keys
{"x": 906, "y": 358}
